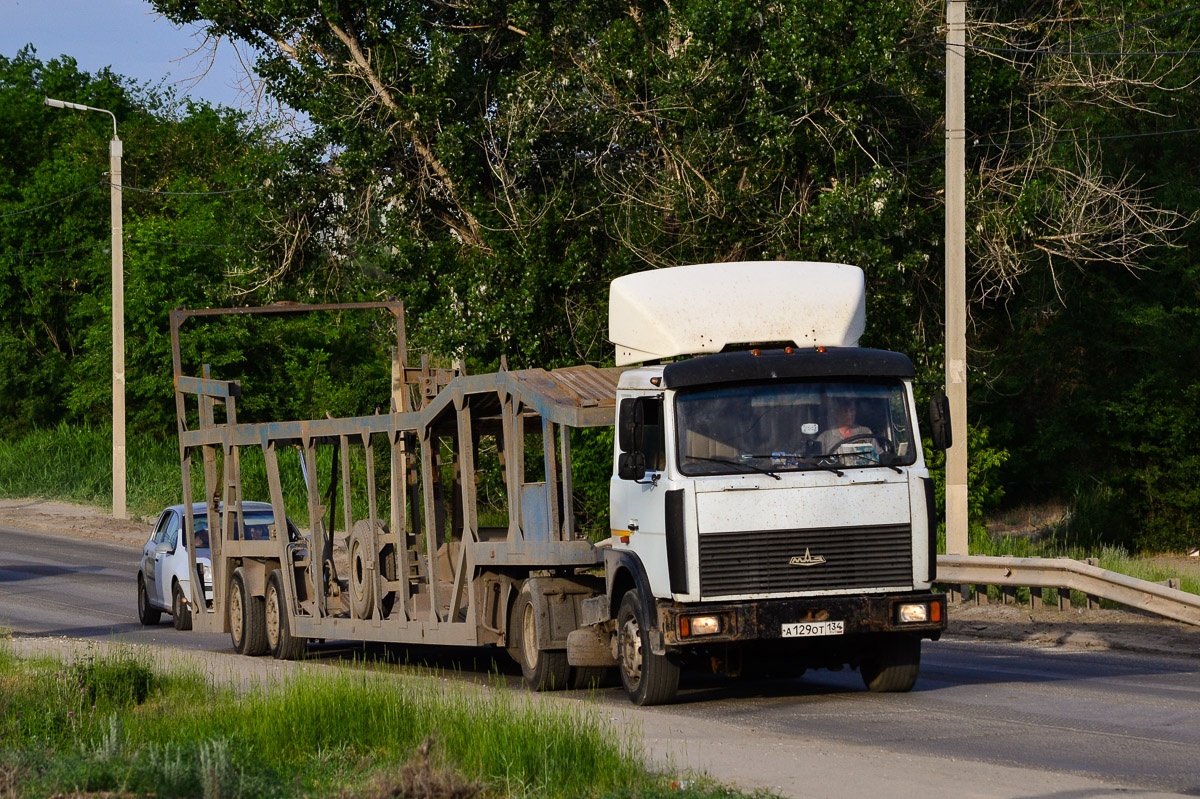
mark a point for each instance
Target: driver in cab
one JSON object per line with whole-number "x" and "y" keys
{"x": 844, "y": 426}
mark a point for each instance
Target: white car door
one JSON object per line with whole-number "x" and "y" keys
{"x": 151, "y": 556}
{"x": 160, "y": 593}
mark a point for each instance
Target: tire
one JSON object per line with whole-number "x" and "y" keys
{"x": 544, "y": 670}
{"x": 362, "y": 585}
{"x": 247, "y": 619}
{"x": 649, "y": 679}
{"x": 893, "y": 666}
{"x": 181, "y": 614}
{"x": 148, "y": 615}
{"x": 585, "y": 678}
{"x": 282, "y": 644}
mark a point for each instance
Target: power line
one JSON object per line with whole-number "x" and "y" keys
{"x": 1031, "y": 142}
{"x": 55, "y": 202}
{"x": 53, "y": 252}
{"x": 1040, "y": 51}
{"x": 1141, "y": 23}
{"x": 185, "y": 193}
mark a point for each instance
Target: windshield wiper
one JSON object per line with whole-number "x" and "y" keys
{"x": 732, "y": 462}
{"x": 807, "y": 461}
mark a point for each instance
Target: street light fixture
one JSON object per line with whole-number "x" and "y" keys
{"x": 118, "y": 309}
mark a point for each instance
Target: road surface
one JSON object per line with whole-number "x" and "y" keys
{"x": 986, "y": 719}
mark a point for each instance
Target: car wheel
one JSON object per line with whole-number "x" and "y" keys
{"x": 147, "y": 614}
{"x": 247, "y": 618}
{"x": 279, "y": 635}
{"x": 649, "y": 679}
{"x": 181, "y": 614}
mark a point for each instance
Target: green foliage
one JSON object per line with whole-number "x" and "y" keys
{"x": 107, "y": 723}
{"x": 984, "y": 489}
{"x": 495, "y": 165}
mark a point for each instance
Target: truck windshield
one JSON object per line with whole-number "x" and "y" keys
{"x": 798, "y": 425}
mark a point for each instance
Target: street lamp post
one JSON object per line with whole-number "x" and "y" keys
{"x": 118, "y": 309}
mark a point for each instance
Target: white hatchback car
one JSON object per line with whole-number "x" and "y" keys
{"x": 163, "y": 580}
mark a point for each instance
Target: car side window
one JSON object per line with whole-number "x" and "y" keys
{"x": 160, "y": 529}
{"x": 171, "y": 533}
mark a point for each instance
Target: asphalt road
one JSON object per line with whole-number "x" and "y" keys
{"x": 1130, "y": 722}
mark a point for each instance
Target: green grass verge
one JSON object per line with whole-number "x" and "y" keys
{"x": 1113, "y": 558}
{"x": 111, "y": 723}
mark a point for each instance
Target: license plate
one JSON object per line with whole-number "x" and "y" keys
{"x": 808, "y": 628}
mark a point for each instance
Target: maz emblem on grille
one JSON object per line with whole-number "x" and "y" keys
{"x": 806, "y": 559}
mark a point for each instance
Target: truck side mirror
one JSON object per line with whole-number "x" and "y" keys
{"x": 631, "y": 466}
{"x": 939, "y": 422}
{"x": 631, "y": 423}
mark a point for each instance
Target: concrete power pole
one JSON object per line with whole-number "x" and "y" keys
{"x": 956, "y": 275}
{"x": 118, "y": 308}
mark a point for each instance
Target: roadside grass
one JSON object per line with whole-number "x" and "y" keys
{"x": 111, "y": 723}
{"x": 73, "y": 463}
{"x": 1113, "y": 558}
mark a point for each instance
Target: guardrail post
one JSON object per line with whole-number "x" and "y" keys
{"x": 1008, "y": 595}
{"x": 981, "y": 595}
{"x": 1035, "y": 597}
{"x": 1064, "y": 598}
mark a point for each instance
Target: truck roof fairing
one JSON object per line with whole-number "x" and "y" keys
{"x": 703, "y": 308}
{"x": 739, "y": 367}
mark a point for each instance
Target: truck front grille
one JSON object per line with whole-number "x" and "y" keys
{"x": 774, "y": 561}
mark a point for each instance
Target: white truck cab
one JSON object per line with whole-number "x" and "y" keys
{"x": 770, "y": 500}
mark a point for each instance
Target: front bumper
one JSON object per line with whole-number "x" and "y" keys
{"x": 765, "y": 619}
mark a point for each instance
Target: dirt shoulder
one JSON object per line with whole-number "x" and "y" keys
{"x": 1047, "y": 627}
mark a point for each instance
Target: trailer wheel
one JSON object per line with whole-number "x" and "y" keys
{"x": 181, "y": 614}
{"x": 147, "y": 613}
{"x": 893, "y": 667}
{"x": 649, "y": 679}
{"x": 362, "y": 585}
{"x": 544, "y": 670}
{"x": 279, "y": 634}
{"x": 247, "y": 619}
{"x": 584, "y": 678}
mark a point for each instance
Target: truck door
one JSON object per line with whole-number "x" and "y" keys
{"x": 637, "y": 503}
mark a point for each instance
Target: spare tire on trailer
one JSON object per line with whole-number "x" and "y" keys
{"x": 362, "y": 583}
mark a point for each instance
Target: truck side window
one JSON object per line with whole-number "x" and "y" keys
{"x": 654, "y": 439}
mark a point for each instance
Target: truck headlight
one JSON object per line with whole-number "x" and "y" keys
{"x": 699, "y": 625}
{"x": 914, "y": 613}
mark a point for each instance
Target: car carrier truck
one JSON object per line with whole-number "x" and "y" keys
{"x": 770, "y": 506}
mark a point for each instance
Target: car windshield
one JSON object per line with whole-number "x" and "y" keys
{"x": 258, "y": 527}
{"x": 792, "y": 426}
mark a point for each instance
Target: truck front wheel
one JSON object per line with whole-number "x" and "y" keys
{"x": 649, "y": 679}
{"x": 893, "y": 666}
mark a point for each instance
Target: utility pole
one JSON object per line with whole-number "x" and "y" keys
{"x": 118, "y": 308}
{"x": 956, "y": 275}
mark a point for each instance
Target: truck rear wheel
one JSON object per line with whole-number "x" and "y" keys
{"x": 543, "y": 670}
{"x": 247, "y": 620}
{"x": 282, "y": 644}
{"x": 649, "y": 679}
{"x": 893, "y": 666}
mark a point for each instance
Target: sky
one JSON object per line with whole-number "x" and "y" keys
{"x": 127, "y": 36}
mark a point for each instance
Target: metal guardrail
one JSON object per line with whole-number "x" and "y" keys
{"x": 1065, "y": 575}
